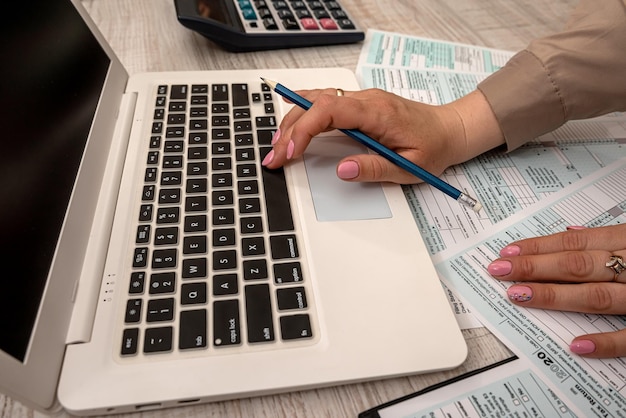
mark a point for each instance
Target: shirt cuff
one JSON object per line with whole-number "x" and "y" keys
{"x": 524, "y": 99}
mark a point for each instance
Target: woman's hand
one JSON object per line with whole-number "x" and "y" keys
{"x": 433, "y": 137}
{"x": 568, "y": 271}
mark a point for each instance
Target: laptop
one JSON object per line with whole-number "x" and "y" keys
{"x": 150, "y": 261}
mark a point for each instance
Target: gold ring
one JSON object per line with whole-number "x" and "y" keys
{"x": 340, "y": 92}
{"x": 616, "y": 263}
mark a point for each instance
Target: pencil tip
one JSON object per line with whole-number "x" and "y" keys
{"x": 270, "y": 83}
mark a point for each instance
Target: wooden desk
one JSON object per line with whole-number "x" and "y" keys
{"x": 147, "y": 37}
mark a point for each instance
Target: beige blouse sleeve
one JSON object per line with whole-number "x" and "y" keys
{"x": 576, "y": 74}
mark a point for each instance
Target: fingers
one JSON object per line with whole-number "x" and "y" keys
{"x": 593, "y": 298}
{"x": 373, "y": 168}
{"x": 608, "y": 238}
{"x": 291, "y": 139}
{"x": 569, "y": 266}
{"x": 604, "y": 345}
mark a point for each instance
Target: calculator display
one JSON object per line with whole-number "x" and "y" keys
{"x": 212, "y": 9}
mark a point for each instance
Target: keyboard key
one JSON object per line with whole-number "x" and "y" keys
{"x": 158, "y": 340}
{"x": 225, "y": 284}
{"x": 240, "y": 95}
{"x": 279, "y": 216}
{"x": 253, "y": 246}
{"x": 130, "y": 339}
{"x": 283, "y": 246}
{"x": 259, "y": 313}
{"x": 143, "y": 234}
{"x": 287, "y": 273}
{"x": 291, "y": 298}
{"x": 194, "y": 268}
{"x": 226, "y": 326}
{"x": 195, "y": 244}
{"x": 223, "y": 237}
{"x": 195, "y": 223}
{"x": 224, "y": 260}
{"x": 255, "y": 269}
{"x": 295, "y": 327}
{"x": 193, "y": 329}
{"x": 133, "y": 311}
{"x": 140, "y": 258}
{"x": 137, "y": 282}
{"x": 166, "y": 236}
{"x": 169, "y": 215}
{"x": 193, "y": 293}
{"x": 219, "y": 92}
{"x": 162, "y": 259}
{"x": 160, "y": 310}
{"x": 162, "y": 283}
{"x": 195, "y": 204}
{"x": 251, "y": 225}
{"x": 178, "y": 92}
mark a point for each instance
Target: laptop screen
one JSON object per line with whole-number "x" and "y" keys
{"x": 52, "y": 74}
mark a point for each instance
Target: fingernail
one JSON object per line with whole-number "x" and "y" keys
{"x": 519, "y": 293}
{"x": 582, "y": 347}
{"x": 500, "y": 268}
{"x": 575, "y": 227}
{"x": 510, "y": 251}
{"x": 348, "y": 170}
{"x": 268, "y": 158}
{"x": 276, "y": 137}
{"x": 290, "y": 148}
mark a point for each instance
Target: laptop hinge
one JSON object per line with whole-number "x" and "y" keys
{"x": 87, "y": 289}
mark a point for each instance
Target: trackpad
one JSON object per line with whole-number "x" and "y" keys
{"x": 333, "y": 198}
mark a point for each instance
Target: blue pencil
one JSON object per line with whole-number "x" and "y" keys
{"x": 377, "y": 147}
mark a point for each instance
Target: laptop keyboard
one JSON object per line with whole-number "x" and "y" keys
{"x": 217, "y": 260}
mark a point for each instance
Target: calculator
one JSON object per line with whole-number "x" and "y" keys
{"x": 255, "y": 25}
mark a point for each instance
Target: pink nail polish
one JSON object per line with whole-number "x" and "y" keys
{"x": 575, "y": 227}
{"x": 510, "y": 251}
{"x": 582, "y": 347}
{"x": 276, "y": 136}
{"x": 348, "y": 170}
{"x": 518, "y": 293}
{"x": 268, "y": 158}
{"x": 500, "y": 268}
{"x": 290, "y": 148}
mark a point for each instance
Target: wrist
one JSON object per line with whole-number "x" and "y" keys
{"x": 477, "y": 129}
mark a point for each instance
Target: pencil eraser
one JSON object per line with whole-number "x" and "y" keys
{"x": 477, "y": 207}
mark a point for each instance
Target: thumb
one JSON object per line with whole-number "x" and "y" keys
{"x": 373, "y": 168}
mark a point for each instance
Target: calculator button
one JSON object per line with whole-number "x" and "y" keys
{"x": 290, "y": 24}
{"x": 345, "y": 24}
{"x": 248, "y": 13}
{"x": 339, "y": 14}
{"x": 309, "y": 23}
{"x": 270, "y": 24}
{"x": 302, "y": 13}
{"x": 328, "y": 24}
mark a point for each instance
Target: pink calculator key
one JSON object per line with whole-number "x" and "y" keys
{"x": 328, "y": 24}
{"x": 308, "y": 23}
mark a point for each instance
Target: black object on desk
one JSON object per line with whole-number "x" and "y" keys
{"x": 255, "y": 25}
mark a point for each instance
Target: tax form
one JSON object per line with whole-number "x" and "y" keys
{"x": 597, "y": 387}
